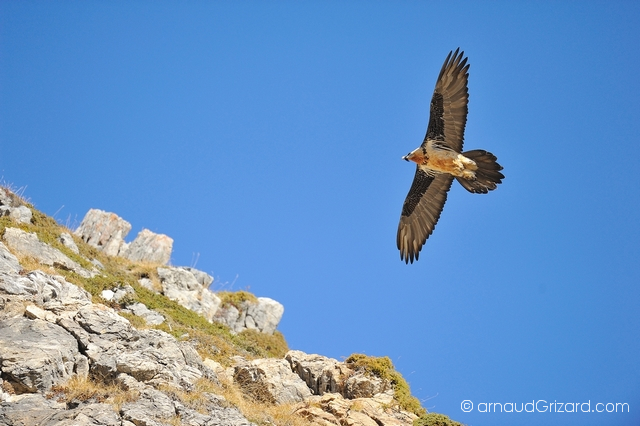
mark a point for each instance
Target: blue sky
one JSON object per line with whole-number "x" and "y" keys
{"x": 266, "y": 139}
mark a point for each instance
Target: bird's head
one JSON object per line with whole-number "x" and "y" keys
{"x": 417, "y": 156}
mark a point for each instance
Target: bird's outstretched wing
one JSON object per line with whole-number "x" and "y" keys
{"x": 421, "y": 211}
{"x": 448, "y": 115}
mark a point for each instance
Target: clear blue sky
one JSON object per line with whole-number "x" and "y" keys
{"x": 265, "y": 138}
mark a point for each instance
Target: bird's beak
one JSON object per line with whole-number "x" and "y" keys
{"x": 406, "y": 157}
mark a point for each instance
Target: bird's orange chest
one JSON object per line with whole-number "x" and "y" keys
{"x": 443, "y": 163}
{"x": 442, "y": 160}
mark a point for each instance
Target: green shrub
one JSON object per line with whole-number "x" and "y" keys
{"x": 435, "y": 419}
{"x": 383, "y": 368}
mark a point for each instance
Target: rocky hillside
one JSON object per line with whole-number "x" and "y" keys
{"x": 95, "y": 331}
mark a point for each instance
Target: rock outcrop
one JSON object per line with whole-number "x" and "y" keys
{"x": 106, "y": 231}
{"x": 182, "y": 286}
{"x": 37, "y": 354}
{"x": 149, "y": 247}
{"x": 262, "y": 315}
{"x": 187, "y": 286}
{"x": 271, "y": 380}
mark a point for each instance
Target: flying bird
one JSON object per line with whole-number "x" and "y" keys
{"x": 440, "y": 159}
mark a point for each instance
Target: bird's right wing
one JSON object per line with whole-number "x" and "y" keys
{"x": 448, "y": 112}
{"x": 421, "y": 211}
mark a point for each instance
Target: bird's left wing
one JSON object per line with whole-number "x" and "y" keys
{"x": 421, "y": 211}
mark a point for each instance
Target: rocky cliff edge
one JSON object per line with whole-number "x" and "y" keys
{"x": 95, "y": 331}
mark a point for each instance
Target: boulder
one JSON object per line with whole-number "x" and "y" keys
{"x": 263, "y": 315}
{"x": 320, "y": 373}
{"x": 150, "y": 317}
{"x": 56, "y": 294}
{"x": 271, "y": 380}
{"x": 91, "y": 414}
{"x": 36, "y": 354}
{"x": 334, "y": 409}
{"x": 67, "y": 240}
{"x": 202, "y": 277}
{"x": 182, "y": 286}
{"x": 21, "y": 214}
{"x": 104, "y": 231}
{"x": 150, "y": 409}
{"x": 8, "y": 199}
{"x": 31, "y": 409}
{"x": 117, "y": 294}
{"x": 8, "y": 262}
{"x": 149, "y": 247}
{"x": 11, "y": 205}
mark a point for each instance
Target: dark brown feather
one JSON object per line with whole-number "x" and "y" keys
{"x": 421, "y": 211}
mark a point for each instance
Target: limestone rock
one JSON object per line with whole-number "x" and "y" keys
{"x": 117, "y": 294}
{"x": 328, "y": 375}
{"x": 11, "y": 205}
{"x": 57, "y": 294}
{"x": 218, "y": 412}
{"x": 150, "y": 356}
{"x": 100, "y": 320}
{"x": 218, "y": 369}
{"x": 263, "y": 316}
{"x": 85, "y": 415}
{"x": 21, "y": 214}
{"x": 182, "y": 286}
{"x": 364, "y": 386}
{"x": 151, "y": 317}
{"x": 150, "y": 247}
{"x": 8, "y": 199}
{"x": 148, "y": 284}
{"x": 152, "y": 407}
{"x": 320, "y": 373}
{"x": 67, "y": 240}
{"x": 35, "y": 312}
{"x": 202, "y": 277}
{"x": 28, "y": 244}
{"x": 51, "y": 292}
{"x": 104, "y": 231}
{"x": 8, "y": 262}
{"x": 333, "y": 409}
{"x": 28, "y": 409}
{"x": 271, "y": 380}
{"x": 35, "y": 354}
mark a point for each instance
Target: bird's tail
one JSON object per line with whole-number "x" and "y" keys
{"x": 488, "y": 174}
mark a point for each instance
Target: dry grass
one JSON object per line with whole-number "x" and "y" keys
{"x": 79, "y": 389}
{"x": 256, "y": 411}
{"x": 30, "y": 264}
{"x": 236, "y": 298}
{"x": 196, "y": 399}
{"x": 260, "y": 412}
